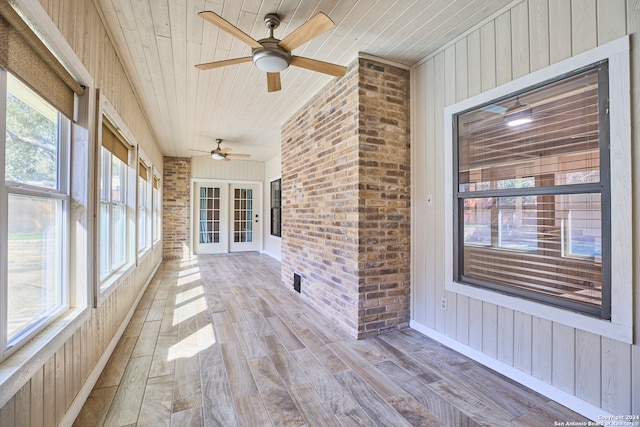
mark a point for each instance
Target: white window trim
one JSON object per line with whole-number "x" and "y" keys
{"x": 620, "y": 327}
{"x": 156, "y": 238}
{"x": 104, "y": 287}
{"x": 142, "y": 156}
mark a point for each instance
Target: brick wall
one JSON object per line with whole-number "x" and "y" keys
{"x": 345, "y": 188}
{"x": 175, "y": 207}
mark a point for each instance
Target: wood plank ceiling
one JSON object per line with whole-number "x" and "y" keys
{"x": 160, "y": 41}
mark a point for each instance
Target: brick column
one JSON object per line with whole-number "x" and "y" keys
{"x": 345, "y": 192}
{"x": 175, "y": 207}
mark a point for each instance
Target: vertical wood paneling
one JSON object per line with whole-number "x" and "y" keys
{"x": 611, "y": 20}
{"x": 616, "y": 381}
{"x": 584, "y": 29}
{"x": 539, "y": 34}
{"x": 37, "y": 399}
{"x": 564, "y": 358}
{"x": 488, "y": 55}
{"x": 588, "y": 357}
{"x": 462, "y": 319}
{"x": 430, "y": 186}
{"x": 475, "y": 323}
{"x": 461, "y": 70}
{"x": 542, "y": 347}
{"x": 490, "y": 329}
{"x": 49, "y": 395}
{"x": 60, "y": 386}
{"x": 23, "y": 406}
{"x": 503, "y": 48}
{"x": 449, "y": 99}
{"x": 68, "y": 373}
{"x": 522, "y": 344}
{"x": 505, "y": 335}
{"x": 438, "y": 155}
{"x": 559, "y": 30}
{"x": 520, "y": 40}
{"x": 8, "y": 413}
{"x": 474, "y": 63}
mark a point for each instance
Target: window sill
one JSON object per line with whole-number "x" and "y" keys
{"x": 569, "y": 318}
{"x": 28, "y": 359}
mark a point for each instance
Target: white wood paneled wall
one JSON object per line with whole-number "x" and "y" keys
{"x": 531, "y": 35}
{"x": 234, "y": 170}
{"x": 47, "y": 396}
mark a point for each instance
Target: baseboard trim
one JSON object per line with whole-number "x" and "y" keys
{"x": 570, "y": 401}
{"x": 83, "y": 394}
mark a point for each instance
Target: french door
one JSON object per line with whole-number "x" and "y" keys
{"x": 226, "y": 218}
{"x": 211, "y": 223}
{"x": 245, "y": 230}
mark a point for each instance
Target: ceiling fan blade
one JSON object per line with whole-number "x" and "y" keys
{"x": 245, "y": 156}
{"x": 221, "y": 23}
{"x": 307, "y": 31}
{"x": 199, "y": 151}
{"x": 273, "y": 82}
{"x": 319, "y": 66}
{"x": 217, "y": 64}
{"x": 225, "y": 150}
{"x": 226, "y": 159}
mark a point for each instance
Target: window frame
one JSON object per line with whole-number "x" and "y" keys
{"x": 103, "y": 286}
{"x": 143, "y": 205}
{"x": 157, "y": 207}
{"x": 113, "y": 268}
{"x": 62, "y": 194}
{"x": 601, "y": 187}
{"x": 273, "y": 208}
{"x": 620, "y": 326}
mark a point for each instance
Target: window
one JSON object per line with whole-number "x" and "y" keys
{"x": 36, "y": 151}
{"x": 144, "y": 207}
{"x": 209, "y": 215}
{"x": 114, "y": 155}
{"x": 532, "y": 191}
{"x": 276, "y": 209}
{"x": 157, "y": 209}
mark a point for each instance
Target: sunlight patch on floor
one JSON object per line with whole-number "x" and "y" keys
{"x": 189, "y": 310}
{"x": 193, "y": 344}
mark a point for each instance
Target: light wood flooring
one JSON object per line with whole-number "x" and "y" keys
{"x": 218, "y": 341}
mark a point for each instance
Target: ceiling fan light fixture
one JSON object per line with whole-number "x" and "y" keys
{"x": 518, "y": 115}
{"x": 271, "y": 59}
{"x": 518, "y": 122}
{"x": 217, "y": 156}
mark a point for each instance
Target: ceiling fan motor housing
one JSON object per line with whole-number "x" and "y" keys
{"x": 271, "y": 57}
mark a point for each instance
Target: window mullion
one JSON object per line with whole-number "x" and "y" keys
{"x": 533, "y": 191}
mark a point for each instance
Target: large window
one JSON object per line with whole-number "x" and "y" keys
{"x": 35, "y": 212}
{"x": 114, "y": 156}
{"x": 157, "y": 209}
{"x": 276, "y": 207}
{"x": 144, "y": 206}
{"x": 532, "y": 191}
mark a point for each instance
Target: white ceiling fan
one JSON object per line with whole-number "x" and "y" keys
{"x": 222, "y": 153}
{"x": 273, "y": 55}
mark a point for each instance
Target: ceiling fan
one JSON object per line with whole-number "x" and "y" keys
{"x": 222, "y": 153}
{"x": 273, "y": 55}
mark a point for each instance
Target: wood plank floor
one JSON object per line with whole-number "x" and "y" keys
{"x": 218, "y": 341}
